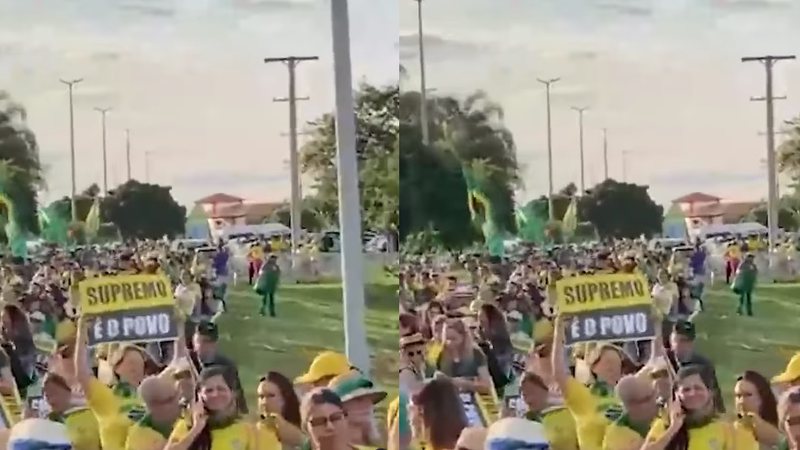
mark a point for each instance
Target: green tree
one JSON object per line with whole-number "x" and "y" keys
{"x": 18, "y": 146}
{"x": 433, "y": 190}
{"x": 309, "y": 219}
{"x": 144, "y": 211}
{"x": 787, "y": 217}
{"x": 377, "y": 148}
{"x": 83, "y": 201}
{"x": 789, "y": 150}
{"x": 621, "y": 210}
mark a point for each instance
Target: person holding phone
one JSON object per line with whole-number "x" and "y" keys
{"x": 789, "y": 419}
{"x": 215, "y": 422}
{"x": 756, "y": 408}
{"x": 693, "y": 423}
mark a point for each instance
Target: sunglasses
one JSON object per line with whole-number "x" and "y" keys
{"x": 413, "y": 353}
{"x": 321, "y": 421}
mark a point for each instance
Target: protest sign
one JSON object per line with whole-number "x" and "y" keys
{"x": 122, "y": 292}
{"x": 134, "y": 325}
{"x": 628, "y": 323}
{"x": 615, "y": 307}
{"x": 129, "y": 308}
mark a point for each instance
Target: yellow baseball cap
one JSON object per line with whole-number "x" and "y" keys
{"x": 792, "y": 371}
{"x": 325, "y": 364}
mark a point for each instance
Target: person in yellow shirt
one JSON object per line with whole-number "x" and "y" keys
{"x": 693, "y": 423}
{"x": 255, "y": 257}
{"x": 733, "y": 255}
{"x": 585, "y": 407}
{"x": 558, "y": 423}
{"x": 117, "y": 408}
{"x": 80, "y": 422}
{"x": 279, "y": 410}
{"x": 640, "y": 408}
{"x": 161, "y": 399}
{"x": 215, "y": 422}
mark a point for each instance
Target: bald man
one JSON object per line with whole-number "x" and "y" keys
{"x": 640, "y": 406}
{"x": 162, "y": 401}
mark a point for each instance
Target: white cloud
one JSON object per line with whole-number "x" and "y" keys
{"x": 187, "y": 77}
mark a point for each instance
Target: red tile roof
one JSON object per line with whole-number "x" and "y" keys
{"x": 219, "y": 198}
{"x": 696, "y": 197}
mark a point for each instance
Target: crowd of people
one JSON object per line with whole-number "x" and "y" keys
{"x": 60, "y": 392}
{"x": 487, "y": 331}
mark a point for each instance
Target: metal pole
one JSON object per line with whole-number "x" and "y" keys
{"x": 580, "y": 138}
{"x": 605, "y": 155}
{"x": 103, "y": 112}
{"x": 772, "y": 201}
{"x": 147, "y": 166}
{"x": 74, "y": 199}
{"x": 550, "y": 205}
{"x": 625, "y": 166}
{"x": 423, "y": 106}
{"x": 295, "y": 206}
{"x": 128, "y": 151}
{"x": 349, "y": 204}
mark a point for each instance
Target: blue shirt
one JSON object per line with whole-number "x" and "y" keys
{"x": 221, "y": 262}
{"x": 698, "y": 262}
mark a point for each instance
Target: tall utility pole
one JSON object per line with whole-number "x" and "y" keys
{"x": 550, "y": 206}
{"x": 74, "y": 205}
{"x": 605, "y": 154}
{"x": 128, "y": 151}
{"x": 355, "y": 337}
{"x": 423, "y": 92}
{"x": 103, "y": 112}
{"x": 772, "y": 202}
{"x": 580, "y": 111}
{"x": 294, "y": 176}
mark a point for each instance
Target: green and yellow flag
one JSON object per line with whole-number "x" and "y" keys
{"x": 93, "y": 219}
{"x": 480, "y": 206}
{"x": 570, "y": 221}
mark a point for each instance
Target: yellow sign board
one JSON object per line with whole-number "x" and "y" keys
{"x": 594, "y": 292}
{"x": 124, "y": 292}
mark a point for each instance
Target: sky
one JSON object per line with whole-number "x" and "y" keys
{"x": 665, "y": 78}
{"x": 187, "y": 78}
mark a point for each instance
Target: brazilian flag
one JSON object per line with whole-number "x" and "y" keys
{"x": 480, "y": 209}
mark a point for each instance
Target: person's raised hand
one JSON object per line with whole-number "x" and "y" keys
{"x": 676, "y": 414}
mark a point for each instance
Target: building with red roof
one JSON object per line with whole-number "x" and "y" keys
{"x": 221, "y": 211}
{"x": 701, "y": 210}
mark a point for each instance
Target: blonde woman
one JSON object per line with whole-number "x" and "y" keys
{"x": 462, "y": 360}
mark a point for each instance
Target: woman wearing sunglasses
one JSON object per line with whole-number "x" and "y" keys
{"x": 323, "y": 418}
{"x": 414, "y": 367}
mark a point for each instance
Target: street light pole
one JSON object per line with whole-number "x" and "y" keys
{"x": 605, "y": 154}
{"x": 103, "y": 112}
{"x": 423, "y": 107}
{"x": 550, "y": 206}
{"x": 74, "y": 203}
{"x": 580, "y": 111}
{"x": 355, "y": 337}
{"x": 128, "y": 151}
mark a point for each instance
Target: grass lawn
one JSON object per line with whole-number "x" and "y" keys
{"x": 763, "y": 343}
{"x": 309, "y": 321}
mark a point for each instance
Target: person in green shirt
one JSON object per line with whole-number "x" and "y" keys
{"x": 744, "y": 283}
{"x": 267, "y": 285}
